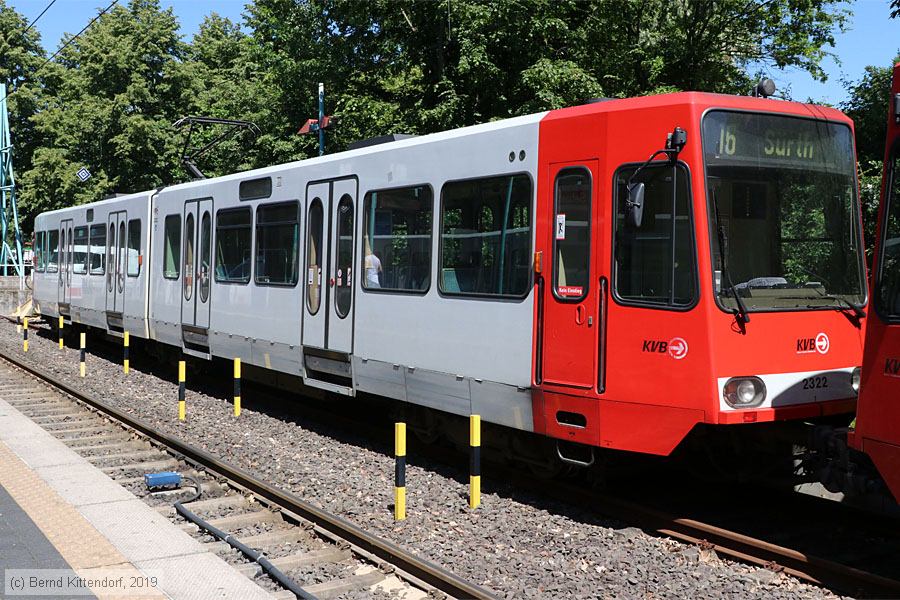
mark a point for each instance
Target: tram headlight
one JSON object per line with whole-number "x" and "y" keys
{"x": 744, "y": 392}
{"x": 855, "y": 378}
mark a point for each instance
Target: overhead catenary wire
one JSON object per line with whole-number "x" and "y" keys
{"x": 68, "y": 42}
{"x": 38, "y": 18}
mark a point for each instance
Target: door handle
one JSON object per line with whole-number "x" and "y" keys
{"x": 579, "y": 314}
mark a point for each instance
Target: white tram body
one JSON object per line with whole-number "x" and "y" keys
{"x": 282, "y": 289}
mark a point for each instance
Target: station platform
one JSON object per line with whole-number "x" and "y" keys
{"x": 67, "y": 530}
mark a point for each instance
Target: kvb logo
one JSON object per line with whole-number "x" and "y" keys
{"x": 819, "y": 344}
{"x": 678, "y": 348}
{"x": 892, "y": 367}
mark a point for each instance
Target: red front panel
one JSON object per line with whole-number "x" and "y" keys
{"x": 878, "y": 420}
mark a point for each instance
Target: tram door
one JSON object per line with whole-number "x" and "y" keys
{"x": 571, "y": 320}
{"x": 330, "y": 265}
{"x": 115, "y": 261}
{"x": 65, "y": 261}
{"x": 196, "y": 256}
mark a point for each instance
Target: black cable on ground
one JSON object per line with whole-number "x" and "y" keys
{"x": 257, "y": 557}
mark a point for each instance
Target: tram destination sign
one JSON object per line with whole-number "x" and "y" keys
{"x": 754, "y": 139}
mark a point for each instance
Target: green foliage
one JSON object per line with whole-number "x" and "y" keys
{"x": 20, "y": 55}
{"x": 389, "y": 66}
{"x": 867, "y": 105}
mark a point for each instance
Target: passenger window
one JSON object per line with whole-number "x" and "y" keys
{"x": 110, "y": 257}
{"x": 62, "y": 250}
{"x": 314, "y": 256}
{"x": 80, "y": 262}
{"x": 205, "y": 255}
{"x": 233, "y": 245}
{"x": 486, "y": 236}
{"x": 97, "y": 252}
{"x": 343, "y": 294}
{"x": 172, "y": 247}
{"x": 120, "y": 251}
{"x": 397, "y": 239}
{"x": 134, "y": 247}
{"x": 655, "y": 263}
{"x": 277, "y": 242}
{"x": 53, "y": 251}
{"x": 189, "y": 257}
{"x": 572, "y": 234}
{"x": 39, "y": 261}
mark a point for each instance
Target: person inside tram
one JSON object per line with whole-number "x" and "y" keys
{"x": 373, "y": 268}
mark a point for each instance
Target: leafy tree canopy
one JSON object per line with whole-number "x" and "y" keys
{"x": 110, "y": 98}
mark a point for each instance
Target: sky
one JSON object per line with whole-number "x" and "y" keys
{"x": 871, "y": 38}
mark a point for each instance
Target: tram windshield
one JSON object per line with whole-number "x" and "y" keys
{"x": 784, "y": 209}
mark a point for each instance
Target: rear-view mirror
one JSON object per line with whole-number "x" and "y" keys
{"x": 634, "y": 205}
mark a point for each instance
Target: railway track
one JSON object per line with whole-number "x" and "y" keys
{"x": 321, "y": 553}
{"x": 726, "y": 543}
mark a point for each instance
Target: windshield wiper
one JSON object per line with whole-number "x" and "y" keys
{"x": 860, "y": 313}
{"x": 741, "y": 311}
{"x": 843, "y": 303}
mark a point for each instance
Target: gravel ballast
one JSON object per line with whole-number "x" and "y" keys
{"x": 515, "y": 544}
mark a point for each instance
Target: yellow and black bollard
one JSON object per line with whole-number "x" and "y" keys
{"x": 400, "y": 471}
{"x": 474, "y": 461}
{"x": 237, "y": 387}
{"x": 61, "y": 323}
{"x": 126, "y": 361}
{"x": 182, "y": 408}
{"x": 81, "y": 366}
{"x": 25, "y": 336}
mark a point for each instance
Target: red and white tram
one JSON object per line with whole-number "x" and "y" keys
{"x": 539, "y": 271}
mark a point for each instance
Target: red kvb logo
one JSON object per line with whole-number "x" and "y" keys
{"x": 819, "y": 344}
{"x": 822, "y": 343}
{"x": 678, "y": 348}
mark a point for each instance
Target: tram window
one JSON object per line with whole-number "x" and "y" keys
{"x": 888, "y": 285}
{"x": 97, "y": 252}
{"x": 80, "y": 261}
{"x": 397, "y": 239}
{"x": 233, "y": 245}
{"x": 343, "y": 293}
{"x": 188, "y": 279}
{"x": 205, "y": 255}
{"x": 486, "y": 236}
{"x": 314, "y": 255}
{"x": 40, "y": 263}
{"x": 655, "y": 263}
{"x": 134, "y": 247}
{"x": 172, "y": 247}
{"x": 277, "y": 231}
{"x": 53, "y": 251}
{"x": 572, "y": 234}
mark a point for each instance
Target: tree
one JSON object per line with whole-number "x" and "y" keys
{"x": 110, "y": 101}
{"x": 867, "y": 105}
{"x": 895, "y": 9}
{"x": 426, "y": 66}
{"x": 21, "y": 55}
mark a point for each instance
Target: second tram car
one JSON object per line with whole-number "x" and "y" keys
{"x": 877, "y": 429}
{"x": 609, "y": 275}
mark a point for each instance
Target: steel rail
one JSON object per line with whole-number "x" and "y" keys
{"x": 428, "y": 572}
